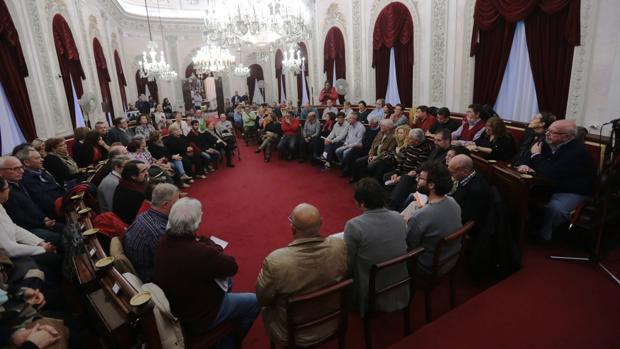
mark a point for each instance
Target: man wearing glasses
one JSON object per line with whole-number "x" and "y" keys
{"x": 563, "y": 160}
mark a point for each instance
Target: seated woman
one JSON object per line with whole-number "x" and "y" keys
{"x": 91, "y": 151}
{"x": 58, "y": 162}
{"x": 144, "y": 127}
{"x": 496, "y": 143}
{"x": 159, "y": 117}
{"x": 178, "y": 146}
{"x": 79, "y": 134}
{"x": 159, "y": 169}
{"x": 272, "y": 132}
{"x": 534, "y": 133}
{"x": 393, "y": 158}
{"x": 159, "y": 152}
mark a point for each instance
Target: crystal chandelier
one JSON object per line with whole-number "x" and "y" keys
{"x": 293, "y": 62}
{"x": 150, "y": 66}
{"x": 241, "y": 71}
{"x": 166, "y": 73}
{"x": 259, "y": 23}
{"x": 212, "y": 59}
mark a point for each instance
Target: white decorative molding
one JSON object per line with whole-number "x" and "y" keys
{"x": 376, "y": 9}
{"x": 93, "y": 29}
{"x": 333, "y": 18}
{"x": 357, "y": 24}
{"x": 438, "y": 51}
{"x": 581, "y": 61}
{"x": 467, "y": 92}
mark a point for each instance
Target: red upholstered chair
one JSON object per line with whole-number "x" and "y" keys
{"x": 429, "y": 284}
{"x": 318, "y": 308}
{"x": 374, "y": 293}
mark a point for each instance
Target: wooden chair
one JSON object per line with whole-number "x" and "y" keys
{"x": 432, "y": 281}
{"x": 331, "y": 300}
{"x": 373, "y": 293}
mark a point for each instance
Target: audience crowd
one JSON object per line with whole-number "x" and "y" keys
{"x": 415, "y": 183}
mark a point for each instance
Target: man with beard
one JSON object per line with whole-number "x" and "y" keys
{"x": 129, "y": 194}
{"x": 439, "y": 217}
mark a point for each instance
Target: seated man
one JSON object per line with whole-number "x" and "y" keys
{"x": 319, "y": 263}
{"x": 335, "y": 139}
{"x": 443, "y": 121}
{"x": 375, "y": 236}
{"x": 191, "y": 274}
{"x": 120, "y": 132}
{"x": 355, "y": 134}
{"x": 473, "y": 193}
{"x": 309, "y": 135}
{"x": 472, "y": 126}
{"x": 399, "y": 117}
{"x": 563, "y": 160}
{"x": 383, "y": 144}
{"x": 105, "y": 190}
{"x": 22, "y": 209}
{"x": 40, "y": 184}
{"x": 363, "y": 112}
{"x": 130, "y": 192}
{"x": 423, "y": 119}
{"x": 143, "y": 234}
{"x": 348, "y": 161}
{"x": 534, "y": 133}
{"x": 442, "y": 141}
{"x": 330, "y": 108}
{"x": 439, "y": 217}
{"x": 306, "y": 110}
{"x": 290, "y": 130}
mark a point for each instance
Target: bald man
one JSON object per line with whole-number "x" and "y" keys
{"x": 565, "y": 161}
{"x": 309, "y": 263}
{"x": 472, "y": 193}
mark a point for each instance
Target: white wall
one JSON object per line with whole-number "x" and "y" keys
{"x": 442, "y": 74}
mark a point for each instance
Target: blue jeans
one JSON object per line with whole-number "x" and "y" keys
{"x": 557, "y": 211}
{"x": 242, "y": 308}
{"x": 287, "y": 145}
{"x": 178, "y": 166}
{"x": 342, "y": 152}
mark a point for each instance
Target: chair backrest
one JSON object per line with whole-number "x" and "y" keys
{"x": 317, "y": 308}
{"x": 373, "y": 293}
{"x": 455, "y": 236}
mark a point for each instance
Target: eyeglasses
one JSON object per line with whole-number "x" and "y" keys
{"x": 17, "y": 168}
{"x": 555, "y": 132}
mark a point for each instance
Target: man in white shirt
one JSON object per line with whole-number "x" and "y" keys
{"x": 335, "y": 139}
{"x": 329, "y": 109}
{"x": 354, "y": 137}
{"x": 378, "y": 111}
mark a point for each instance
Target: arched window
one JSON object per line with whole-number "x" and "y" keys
{"x": 13, "y": 70}
{"x": 302, "y": 79}
{"x": 142, "y": 83}
{"x": 392, "y": 55}
{"x": 120, "y": 75}
{"x": 104, "y": 79}
{"x": 334, "y": 63}
{"x": 256, "y": 93}
{"x": 280, "y": 77}
{"x": 552, "y": 30}
{"x": 69, "y": 63}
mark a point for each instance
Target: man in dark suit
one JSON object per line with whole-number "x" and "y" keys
{"x": 565, "y": 161}
{"x": 22, "y": 209}
{"x": 473, "y": 193}
{"x": 40, "y": 184}
{"x": 236, "y": 99}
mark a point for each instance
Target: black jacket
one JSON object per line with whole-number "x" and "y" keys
{"x": 475, "y": 200}
{"x": 127, "y": 201}
{"x": 22, "y": 209}
{"x": 43, "y": 189}
{"x": 571, "y": 169}
{"x": 54, "y": 165}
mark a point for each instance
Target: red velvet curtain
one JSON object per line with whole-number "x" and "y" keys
{"x": 279, "y": 75}
{"x": 141, "y": 84}
{"x": 552, "y": 29}
{"x": 120, "y": 75}
{"x": 256, "y": 74}
{"x": 103, "y": 75}
{"x": 334, "y": 51}
{"x": 394, "y": 29}
{"x": 303, "y": 50}
{"x": 13, "y": 70}
{"x": 69, "y": 61}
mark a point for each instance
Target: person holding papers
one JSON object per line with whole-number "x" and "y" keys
{"x": 438, "y": 217}
{"x": 188, "y": 271}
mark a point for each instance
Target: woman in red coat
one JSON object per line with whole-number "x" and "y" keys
{"x": 328, "y": 92}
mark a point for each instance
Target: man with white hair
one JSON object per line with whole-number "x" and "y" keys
{"x": 190, "y": 271}
{"x": 144, "y": 233}
{"x": 383, "y": 144}
{"x": 565, "y": 161}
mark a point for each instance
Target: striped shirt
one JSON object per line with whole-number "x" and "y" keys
{"x": 141, "y": 239}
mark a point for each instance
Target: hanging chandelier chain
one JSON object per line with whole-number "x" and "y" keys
{"x": 148, "y": 20}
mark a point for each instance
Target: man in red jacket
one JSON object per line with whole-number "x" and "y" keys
{"x": 290, "y": 134}
{"x": 194, "y": 275}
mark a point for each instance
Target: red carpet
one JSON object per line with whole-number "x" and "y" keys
{"x": 551, "y": 303}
